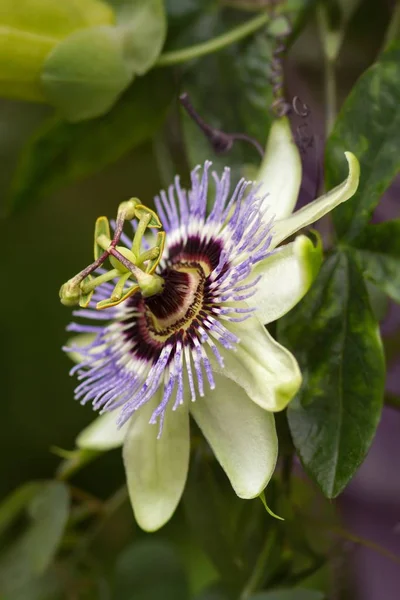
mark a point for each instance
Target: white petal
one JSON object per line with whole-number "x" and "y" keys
{"x": 280, "y": 171}
{"x": 286, "y": 276}
{"x": 317, "y": 209}
{"x": 241, "y": 434}
{"x": 103, "y": 433}
{"x": 156, "y": 469}
{"x": 267, "y": 371}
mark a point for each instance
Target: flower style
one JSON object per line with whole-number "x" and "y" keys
{"x": 198, "y": 345}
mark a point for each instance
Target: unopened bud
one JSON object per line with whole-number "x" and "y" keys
{"x": 128, "y": 208}
{"x": 70, "y": 293}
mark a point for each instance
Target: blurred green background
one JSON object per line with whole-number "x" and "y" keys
{"x": 46, "y": 244}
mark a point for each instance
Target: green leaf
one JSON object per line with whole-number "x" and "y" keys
{"x": 85, "y": 74}
{"x": 60, "y": 153}
{"x": 260, "y": 539}
{"x": 379, "y": 254}
{"x": 393, "y": 30}
{"x": 29, "y": 29}
{"x": 233, "y": 532}
{"x": 209, "y": 516}
{"x": 308, "y": 518}
{"x": 377, "y": 298}
{"x": 54, "y": 19}
{"x": 29, "y": 556}
{"x": 213, "y": 593}
{"x": 369, "y": 126}
{"x": 144, "y": 28}
{"x": 150, "y": 570}
{"x": 182, "y": 9}
{"x": 15, "y": 502}
{"x": 49, "y": 586}
{"x": 293, "y": 594}
{"x": 336, "y": 339}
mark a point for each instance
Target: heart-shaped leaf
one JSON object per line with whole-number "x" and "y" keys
{"x": 335, "y": 337}
{"x": 369, "y": 126}
{"x": 85, "y": 74}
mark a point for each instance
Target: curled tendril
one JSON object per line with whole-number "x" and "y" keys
{"x": 300, "y": 108}
{"x": 279, "y": 106}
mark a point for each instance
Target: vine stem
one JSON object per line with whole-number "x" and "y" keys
{"x": 73, "y": 462}
{"x": 330, "y": 41}
{"x": 330, "y": 94}
{"x": 258, "y": 573}
{"x": 175, "y": 57}
{"x": 109, "y": 507}
{"x": 394, "y": 27}
{"x": 340, "y": 532}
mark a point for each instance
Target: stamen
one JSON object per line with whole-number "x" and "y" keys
{"x": 89, "y": 287}
{"x": 127, "y": 263}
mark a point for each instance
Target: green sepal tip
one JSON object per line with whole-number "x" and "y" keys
{"x": 85, "y": 299}
{"x": 102, "y": 227}
{"x": 109, "y": 302}
{"x": 160, "y": 243}
{"x": 69, "y": 294}
{"x": 267, "y": 508}
{"x": 141, "y": 211}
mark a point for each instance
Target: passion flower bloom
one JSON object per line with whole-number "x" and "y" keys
{"x": 199, "y": 346}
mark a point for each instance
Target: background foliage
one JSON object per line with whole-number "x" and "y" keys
{"x": 78, "y": 154}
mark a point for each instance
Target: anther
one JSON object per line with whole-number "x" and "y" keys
{"x": 128, "y": 263}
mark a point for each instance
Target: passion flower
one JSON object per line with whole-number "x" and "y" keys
{"x": 188, "y": 336}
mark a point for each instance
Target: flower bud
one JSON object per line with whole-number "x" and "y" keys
{"x": 70, "y": 293}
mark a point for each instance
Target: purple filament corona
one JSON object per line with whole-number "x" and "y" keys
{"x": 168, "y": 343}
